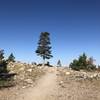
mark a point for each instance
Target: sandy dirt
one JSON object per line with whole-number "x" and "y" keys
{"x": 55, "y": 86}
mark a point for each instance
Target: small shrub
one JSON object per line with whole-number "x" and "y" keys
{"x": 48, "y": 64}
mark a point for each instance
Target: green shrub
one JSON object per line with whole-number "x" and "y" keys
{"x": 3, "y": 67}
{"x": 83, "y": 63}
{"x": 5, "y": 79}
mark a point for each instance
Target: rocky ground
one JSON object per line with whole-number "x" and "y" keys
{"x": 51, "y": 83}
{"x": 27, "y": 74}
{"x": 75, "y": 85}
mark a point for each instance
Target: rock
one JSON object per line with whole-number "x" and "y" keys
{"x": 24, "y": 87}
{"x": 29, "y": 81}
{"x": 29, "y": 70}
{"x": 21, "y": 69}
{"x": 12, "y": 71}
{"x": 85, "y": 76}
{"x": 79, "y": 75}
{"x": 95, "y": 75}
{"x": 67, "y": 73}
{"x": 91, "y": 76}
{"x": 26, "y": 73}
{"x": 98, "y": 75}
{"x": 61, "y": 82}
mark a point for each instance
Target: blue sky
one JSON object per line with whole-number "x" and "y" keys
{"x": 74, "y": 26}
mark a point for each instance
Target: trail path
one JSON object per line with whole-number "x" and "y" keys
{"x": 46, "y": 88}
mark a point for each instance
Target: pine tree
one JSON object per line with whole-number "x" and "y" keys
{"x": 59, "y": 63}
{"x": 82, "y": 61}
{"x": 44, "y": 48}
{"x": 11, "y": 58}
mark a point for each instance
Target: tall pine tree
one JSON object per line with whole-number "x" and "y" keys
{"x": 44, "y": 48}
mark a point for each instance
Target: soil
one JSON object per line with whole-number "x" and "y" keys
{"x": 55, "y": 86}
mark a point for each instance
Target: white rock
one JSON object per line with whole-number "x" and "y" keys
{"x": 95, "y": 75}
{"x": 29, "y": 81}
{"x": 67, "y": 73}
{"x": 61, "y": 82}
{"x": 29, "y": 70}
{"x": 24, "y": 87}
{"x": 91, "y": 76}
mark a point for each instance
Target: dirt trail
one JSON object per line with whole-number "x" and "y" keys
{"x": 45, "y": 89}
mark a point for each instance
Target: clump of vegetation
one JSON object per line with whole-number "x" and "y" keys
{"x": 46, "y": 64}
{"x": 83, "y": 63}
{"x": 3, "y": 63}
{"x": 5, "y": 77}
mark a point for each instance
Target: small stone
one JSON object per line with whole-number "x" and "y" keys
{"x": 95, "y": 75}
{"x": 29, "y": 81}
{"x": 67, "y": 73}
{"x": 61, "y": 82}
{"x": 29, "y": 70}
{"x": 24, "y": 87}
{"x": 91, "y": 76}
